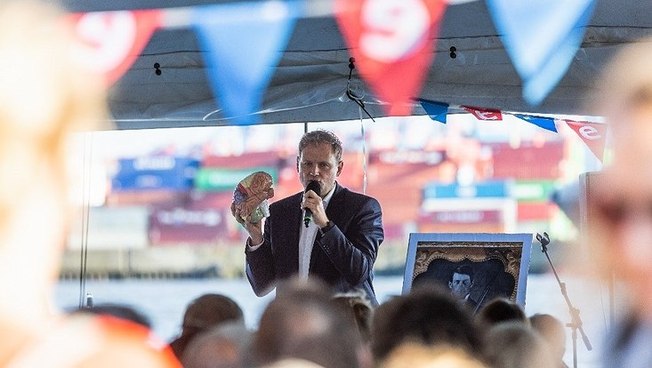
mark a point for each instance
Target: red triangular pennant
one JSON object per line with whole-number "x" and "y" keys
{"x": 391, "y": 42}
{"x": 593, "y": 134}
{"x": 111, "y": 41}
{"x": 484, "y": 114}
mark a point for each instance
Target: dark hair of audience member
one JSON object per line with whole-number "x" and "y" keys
{"x": 501, "y": 310}
{"x": 359, "y": 310}
{"x": 302, "y": 322}
{"x": 428, "y": 315}
{"x": 223, "y": 346}
{"x": 202, "y": 313}
{"x": 512, "y": 344}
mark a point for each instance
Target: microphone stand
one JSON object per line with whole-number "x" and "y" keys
{"x": 576, "y": 322}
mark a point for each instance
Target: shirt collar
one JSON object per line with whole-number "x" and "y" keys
{"x": 328, "y": 197}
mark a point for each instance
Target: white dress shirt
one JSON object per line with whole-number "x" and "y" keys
{"x": 307, "y": 239}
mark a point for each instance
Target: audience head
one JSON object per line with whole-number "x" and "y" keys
{"x": 516, "y": 345}
{"x": 619, "y": 202}
{"x": 553, "y": 331}
{"x": 429, "y": 315}
{"x": 302, "y": 322}
{"x": 223, "y": 346}
{"x": 202, "y": 313}
{"x": 413, "y": 355}
{"x": 501, "y": 310}
{"x": 359, "y": 311}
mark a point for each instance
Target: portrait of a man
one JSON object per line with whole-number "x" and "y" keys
{"x": 461, "y": 282}
{"x": 476, "y": 268}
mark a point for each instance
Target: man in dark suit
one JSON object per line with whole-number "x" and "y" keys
{"x": 340, "y": 243}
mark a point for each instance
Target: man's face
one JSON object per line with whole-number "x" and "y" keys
{"x": 318, "y": 162}
{"x": 460, "y": 285}
{"x": 621, "y": 202}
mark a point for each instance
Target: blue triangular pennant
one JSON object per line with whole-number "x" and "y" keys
{"x": 540, "y": 121}
{"x": 244, "y": 41}
{"x": 436, "y": 110}
{"x": 541, "y": 37}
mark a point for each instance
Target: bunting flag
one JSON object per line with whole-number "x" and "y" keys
{"x": 436, "y": 110}
{"x": 484, "y": 114}
{"x": 391, "y": 41}
{"x": 593, "y": 134}
{"x": 541, "y": 37}
{"x": 244, "y": 42}
{"x": 540, "y": 121}
{"x": 110, "y": 42}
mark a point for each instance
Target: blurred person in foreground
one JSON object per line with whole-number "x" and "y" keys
{"x": 428, "y": 315}
{"x": 338, "y": 245}
{"x": 44, "y": 97}
{"x": 513, "y": 344}
{"x": 620, "y": 203}
{"x": 303, "y": 322}
{"x": 414, "y": 355}
{"x": 118, "y": 310}
{"x": 224, "y": 346}
{"x": 553, "y": 331}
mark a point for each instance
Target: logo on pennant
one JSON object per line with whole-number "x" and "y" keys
{"x": 484, "y": 114}
{"x": 593, "y": 135}
{"x": 110, "y": 42}
{"x": 392, "y": 45}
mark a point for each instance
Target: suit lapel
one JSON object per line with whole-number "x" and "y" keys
{"x": 294, "y": 218}
{"x": 334, "y": 209}
{"x": 336, "y": 205}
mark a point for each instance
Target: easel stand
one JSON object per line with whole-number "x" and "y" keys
{"x": 576, "y": 322}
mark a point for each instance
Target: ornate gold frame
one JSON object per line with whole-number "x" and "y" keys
{"x": 512, "y": 250}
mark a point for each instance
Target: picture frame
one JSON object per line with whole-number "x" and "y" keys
{"x": 499, "y": 263}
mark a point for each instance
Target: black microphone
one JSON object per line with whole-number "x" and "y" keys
{"x": 307, "y": 214}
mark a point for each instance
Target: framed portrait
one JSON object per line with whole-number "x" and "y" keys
{"x": 476, "y": 267}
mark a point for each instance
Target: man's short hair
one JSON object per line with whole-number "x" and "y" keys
{"x": 428, "y": 315}
{"x": 463, "y": 270}
{"x": 320, "y": 136}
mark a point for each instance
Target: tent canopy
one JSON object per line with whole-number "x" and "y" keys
{"x": 309, "y": 83}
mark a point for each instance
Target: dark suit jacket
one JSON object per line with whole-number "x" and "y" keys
{"x": 343, "y": 257}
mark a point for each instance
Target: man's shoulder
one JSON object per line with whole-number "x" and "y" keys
{"x": 351, "y": 195}
{"x": 287, "y": 201}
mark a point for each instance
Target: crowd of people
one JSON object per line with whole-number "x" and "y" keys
{"x": 325, "y": 313}
{"x": 307, "y": 325}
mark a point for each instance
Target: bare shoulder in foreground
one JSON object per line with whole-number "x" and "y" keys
{"x": 45, "y": 97}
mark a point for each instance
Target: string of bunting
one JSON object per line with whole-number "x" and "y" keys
{"x": 593, "y": 134}
{"x": 392, "y": 41}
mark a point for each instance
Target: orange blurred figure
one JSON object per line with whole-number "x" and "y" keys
{"x": 44, "y": 97}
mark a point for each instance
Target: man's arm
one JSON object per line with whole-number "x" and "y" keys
{"x": 353, "y": 250}
{"x": 259, "y": 267}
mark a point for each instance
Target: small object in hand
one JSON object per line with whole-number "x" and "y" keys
{"x": 250, "y": 196}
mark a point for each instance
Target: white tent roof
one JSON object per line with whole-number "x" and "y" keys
{"x": 309, "y": 83}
